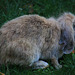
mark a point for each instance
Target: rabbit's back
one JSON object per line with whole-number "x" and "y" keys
{"x": 24, "y": 26}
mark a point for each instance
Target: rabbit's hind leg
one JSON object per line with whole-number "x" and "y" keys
{"x": 40, "y": 65}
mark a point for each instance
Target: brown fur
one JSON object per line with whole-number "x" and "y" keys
{"x": 28, "y": 38}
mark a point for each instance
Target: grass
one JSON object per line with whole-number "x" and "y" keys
{"x": 66, "y": 61}
{"x": 10, "y": 9}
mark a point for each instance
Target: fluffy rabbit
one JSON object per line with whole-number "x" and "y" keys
{"x": 67, "y": 21}
{"x": 29, "y": 39}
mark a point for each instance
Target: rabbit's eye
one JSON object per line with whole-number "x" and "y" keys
{"x": 73, "y": 26}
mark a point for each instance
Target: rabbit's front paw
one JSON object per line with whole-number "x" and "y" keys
{"x": 58, "y": 66}
{"x": 56, "y": 63}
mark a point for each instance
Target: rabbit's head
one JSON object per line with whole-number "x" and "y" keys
{"x": 67, "y": 32}
{"x": 74, "y": 31}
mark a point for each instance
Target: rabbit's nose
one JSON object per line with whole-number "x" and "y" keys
{"x": 71, "y": 48}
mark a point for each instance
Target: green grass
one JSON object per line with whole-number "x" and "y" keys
{"x": 67, "y": 62}
{"x": 10, "y": 9}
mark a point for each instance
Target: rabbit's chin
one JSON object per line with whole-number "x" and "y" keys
{"x": 68, "y": 51}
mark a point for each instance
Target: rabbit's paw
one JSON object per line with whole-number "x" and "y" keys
{"x": 40, "y": 65}
{"x": 58, "y": 66}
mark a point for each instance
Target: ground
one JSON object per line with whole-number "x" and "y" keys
{"x": 10, "y": 9}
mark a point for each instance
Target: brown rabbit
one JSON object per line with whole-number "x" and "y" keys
{"x": 67, "y": 21}
{"x": 29, "y": 39}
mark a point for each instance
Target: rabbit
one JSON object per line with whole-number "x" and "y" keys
{"x": 30, "y": 39}
{"x": 68, "y": 20}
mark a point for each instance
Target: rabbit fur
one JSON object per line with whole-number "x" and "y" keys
{"x": 30, "y": 39}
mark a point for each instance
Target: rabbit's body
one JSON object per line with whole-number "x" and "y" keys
{"x": 27, "y": 39}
